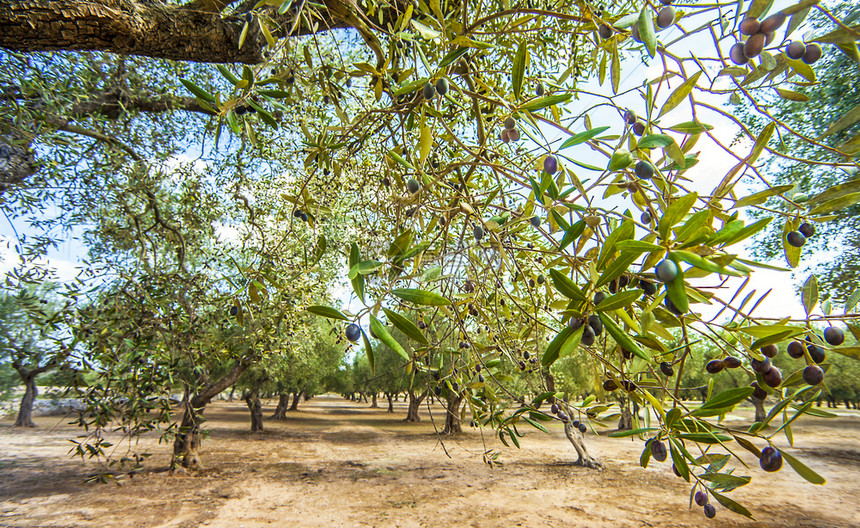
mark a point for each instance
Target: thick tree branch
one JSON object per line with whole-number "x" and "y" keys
{"x": 198, "y": 31}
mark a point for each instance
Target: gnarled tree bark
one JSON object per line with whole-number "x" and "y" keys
{"x": 576, "y": 439}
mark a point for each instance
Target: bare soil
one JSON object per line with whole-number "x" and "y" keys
{"x": 337, "y": 463}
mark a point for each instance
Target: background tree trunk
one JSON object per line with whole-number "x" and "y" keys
{"x": 412, "y": 414}
{"x": 281, "y": 409}
{"x": 25, "y": 411}
{"x": 374, "y": 405}
{"x": 256, "y": 408}
{"x": 390, "y": 397}
{"x": 760, "y": 411}
{"x": 295, "y": 405}
{"x": 452, "y": 415}
{"x": 625, "y": 422}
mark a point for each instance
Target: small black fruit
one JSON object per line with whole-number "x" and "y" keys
{"x": 758, "y": 392}
{"x": 714, "y": 366}
{"x": 796, "y": 239}
{"x": 234, "y": 310}
{"x": 760, "y": 365}
{"x": 510, "y": 123}
{"x": 773, "y": 377}
{"x": 644, "y": 170}
{"x": 596, "y": 324}
{"x": 795, "y": 349}
{"x": 587, "y": 335}
{"x": 648, "y": 287}
{"x": 813, "y": 375}
{"x": 535, "y": 221}
{"x": 749, "y": 26}
{"x": 658, "y": 451}
{"x": 770, "y": 460}
{"x": 812, "y": 54}
{"x": 806, "y": 229}
{"x": 582, "y": 428}
{"x": 834, "y": 335}
{"x": 736, "y": 54}
{"x": 599, "y": 297}
{"x": 795, "y": 49}
{"x": 701, "y": 498}
{"x": 479, "y": 232}
{"x": 667, "y": 369}
{"x": 353, "y": 332}
{"x": 604, "y": 31}
{"x": 550, "y": 165}
{"x": 639, "y": 125}
{"x": 645, "y": 218}
{"x": 770, "y": 350}
{"x": 666, "y": 17}
{"x": 610, "y": 385}
{"x": 710, "y": 511}
{"x": 412, "y": 185}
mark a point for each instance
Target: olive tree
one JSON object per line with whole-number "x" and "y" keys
{"x": 510, "y": 185}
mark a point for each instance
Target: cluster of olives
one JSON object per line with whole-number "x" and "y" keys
{"x": 510, "y": 132}
{"x": 808, "y": 53}
{"x": 592, "y": 327}
{"x": 759, "y": 33}
{"x": 301, "y": 215}
{"x": 639, "y": 125}
{"x": 245, "y": 108}
{"x": 701, "y": 499}
{"x": 798, "y": 238}
{"x": 441, "y": 88}
{"x": 665, "y": 18}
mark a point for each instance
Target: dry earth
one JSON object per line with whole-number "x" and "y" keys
{"x": 337, "y": 463}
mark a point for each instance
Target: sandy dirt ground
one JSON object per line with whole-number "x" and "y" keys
{"x": 336, "y": 463}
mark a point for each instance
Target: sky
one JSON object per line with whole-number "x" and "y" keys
{"x": 782, "y": 300}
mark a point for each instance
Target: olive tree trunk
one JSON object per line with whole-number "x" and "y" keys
{"x": 412, "y": 414}
{"x": 283, "y": 404}
{"x": 577, "y": 440}
{"x": 25, "y": 410}
{"x": 452, "y": 415}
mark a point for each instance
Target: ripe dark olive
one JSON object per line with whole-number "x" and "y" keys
{"x": 550, "y": 165}
{"x": 658, "y": 451}
{"x": 609, "y": 385}
{"x": 714, "y": 366}
{"x": 478, "y": 368}
{"x": 671, "y": 306}
{"x": 795, "y": 349}
{"x": 639, "y": 125}
{"x": 575, "y": 424}
{"x": 479, "y": 232}
{"x": 645, "y": 218}
{"x": 480, "y": 378}
{"x": 760, "y": 365}
{"x": 353, "y": 332}
{"x": 604, "y": 31}
{"x": 834, "y": 336}
{"x": 297, "y": 213}
{"x": 648, "y": 287}
{"x": 813, "y": 375}
{"x": 701, "y": 498}
{"x": 582, "y": 428}
{"x": 770, "y": 351}
{"x": 773, "y": 377}
{"x": 429, "y": 91}
{"x": 772, "y": 23}
{"x": 806, "y": 229}
{"x": 666, "y": 17}
{"x": 304, "y": 216}
{"x": 531, "y": 283}
{"x": 234, "y": 310}
{"x": 510, "y": 123}
{"x": 504, "y": 135}
{"x": 629, "y": 117}
{"x": 596, "y": 324}
{"x": 587, "y": 335}
{"x": 666, "y": 2}
{"x": 535, "y": 221}
{"x": 749, "y": 26}
{"x": 754, "y": 45}
{"x": 816, "y": 353}
{"x": 412, "y": 185}
{"x": 795, "y": 49}
{"x": 442, "y": 86}
{"x": 710, "y": 511}
{"x": 675, "y": 471}
{"x": 575, "y": 323}
{"x": 541, "y": 279}
{"x": 629, "y": 386}
{"x": 644, "y": 170}
{"x": 554, "y": 408}
{"x": 599, "y": 297}
{"x": 731, "y": 362}
{"x": 514, "y": 134}
{"x": 666, "y": 270}
{"x": 736, "y": 54}
{"x": 812, "y": 54}
{"x": 758, "y": 392}
{"x": 667, "y": 369}
{"x": 771, "y": 459}
{"x": 796, "y": 239}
